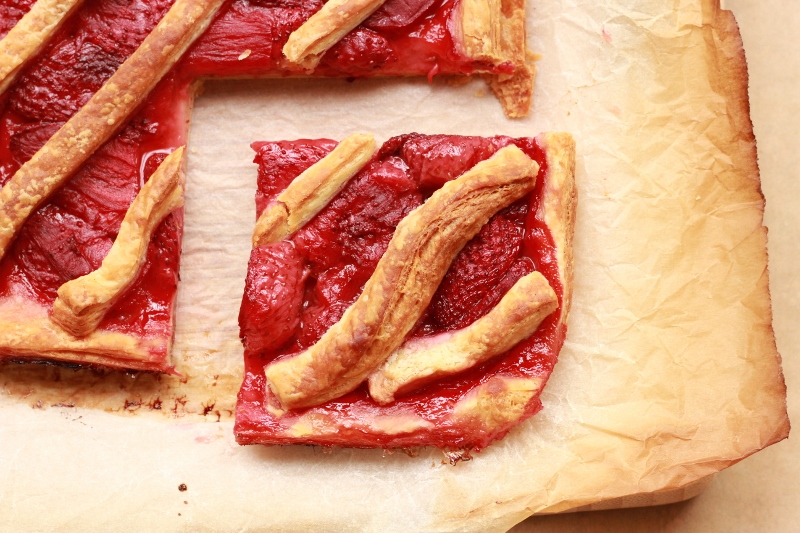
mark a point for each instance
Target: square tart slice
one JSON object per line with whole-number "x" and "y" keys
{"x": 411, "y": 295}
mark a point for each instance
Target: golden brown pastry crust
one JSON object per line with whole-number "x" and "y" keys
{"x": 559, "y": 201}
{"x": 496, "y": 403}
{"x": 517, "y": 477}
{"x": 57, "y": 160}
{"x": 419, "y": 254}
{"x": 108, "y": 109}
{"x": 494, "y": 31}
{"x": 313, "y": 189}
{"x": 83, "y": 302}
{"x": 515, "y": 91}
{"x": 30, "y": 35}
{"x": 326, "y": 27}
{"x": 419, "y": 361}
{"x": 28, "y": 333}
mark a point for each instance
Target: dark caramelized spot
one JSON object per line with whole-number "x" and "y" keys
{"x": 63, "y": 81}
{"x": 83, "y": 55}
{"x": 27, "y": 139}
{"x": 132, "y": 405}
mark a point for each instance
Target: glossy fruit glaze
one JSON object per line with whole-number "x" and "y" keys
{"x": 13, "y": 11}
{"x": 402, "y": 38}
{"x": 298, "y": 288}
{"x": 69, "y": 236}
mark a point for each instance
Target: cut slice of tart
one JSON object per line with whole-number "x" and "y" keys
{"x": 396, "y": 38}
{"x": 424, "y": 303}
{"x": 93, "y": 97}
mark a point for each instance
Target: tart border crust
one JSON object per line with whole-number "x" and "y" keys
{"x": 494, "y": 31}
{"x": 56, "y": 162}
{"x": 28, "y": 334}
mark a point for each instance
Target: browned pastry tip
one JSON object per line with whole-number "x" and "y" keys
{"x": 515, "y": 91}
{"x": 493, "y": 31}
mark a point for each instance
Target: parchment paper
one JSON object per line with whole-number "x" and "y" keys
{"x": 669, "y": 373}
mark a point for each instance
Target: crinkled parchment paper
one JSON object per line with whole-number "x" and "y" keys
{"x": 669, "y": 373}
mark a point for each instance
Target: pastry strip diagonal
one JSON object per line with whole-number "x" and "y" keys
{"x": 66, "y": 153}
{"x": 419, "y": 254}
{"x": 477, "y": 403}
{"x": 326, "y": 27}
{"x": 313, "y": 189}
{"x": 30, "y": 35}
{"x": 419, "y": 361}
